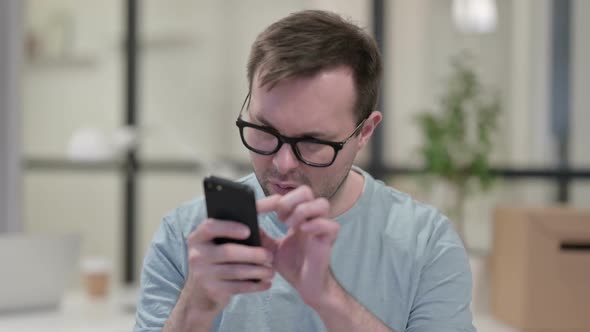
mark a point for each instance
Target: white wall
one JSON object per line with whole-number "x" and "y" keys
{"x": 62, "y": 92}
{"x": 74, "y": 81}
{"x": 580, "y": 151}
{"x": 10, "y": 125}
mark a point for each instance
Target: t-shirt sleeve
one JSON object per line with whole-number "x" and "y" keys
{"x": 443, "y": 297}
{"x": 162, "y": 278}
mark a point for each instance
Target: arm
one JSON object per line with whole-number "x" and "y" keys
{"x": 168, "y": 302}
{"x": 341, "y": 312}
{"x": 216, "y": 273}
{"x": 162, "y": 278}
{"x": 303, "y": 259}
{"x": 443, "y": 296}
{"x": 188, "y": 316}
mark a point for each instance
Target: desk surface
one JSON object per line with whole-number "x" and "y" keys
{"x": 78, "y": 313}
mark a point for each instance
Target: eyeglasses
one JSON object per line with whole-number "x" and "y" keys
{"x": 311, "y": 151}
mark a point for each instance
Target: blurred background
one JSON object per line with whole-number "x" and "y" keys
{"x": 112, "y": 111}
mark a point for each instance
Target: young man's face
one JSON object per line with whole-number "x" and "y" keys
{"x": 321, "y": 107}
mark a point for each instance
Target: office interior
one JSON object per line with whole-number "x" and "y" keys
{"x": 112, "y": 112}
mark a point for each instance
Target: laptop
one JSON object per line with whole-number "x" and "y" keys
{"x": 35, "y": 270}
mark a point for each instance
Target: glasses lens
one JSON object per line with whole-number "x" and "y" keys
{"x": 260, "y": 140}
{"x": 316, "y": 153}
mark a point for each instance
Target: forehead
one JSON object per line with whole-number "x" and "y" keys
{"x": 322, "y": 102}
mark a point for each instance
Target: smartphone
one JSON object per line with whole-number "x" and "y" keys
{"x": 229, "y": 200}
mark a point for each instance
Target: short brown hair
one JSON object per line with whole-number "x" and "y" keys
{"x": 307, "y": 42}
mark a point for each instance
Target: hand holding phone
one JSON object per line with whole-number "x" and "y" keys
{"x": 229, "y": 200}
{"x": 218, "y": 272}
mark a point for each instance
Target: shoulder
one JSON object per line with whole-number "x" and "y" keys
{"x": 412, "y": 224}
{"x": 186, "y": 217}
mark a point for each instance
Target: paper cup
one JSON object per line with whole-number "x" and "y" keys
{"x": 96, "y": 276}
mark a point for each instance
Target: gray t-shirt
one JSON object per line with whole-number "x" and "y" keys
{"x": 399, "y": 258}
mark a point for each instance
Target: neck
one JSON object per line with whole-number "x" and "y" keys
{"x": 347, "y": 194}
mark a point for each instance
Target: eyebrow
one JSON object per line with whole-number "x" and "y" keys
{"x": 312, "y": 134}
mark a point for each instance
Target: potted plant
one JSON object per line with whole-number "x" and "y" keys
{"x": 457, "y": 138}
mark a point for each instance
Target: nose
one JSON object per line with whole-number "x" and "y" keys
{"x": 285, "y": 160}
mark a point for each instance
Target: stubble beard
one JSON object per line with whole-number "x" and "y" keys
{"x": 327, "y": 190}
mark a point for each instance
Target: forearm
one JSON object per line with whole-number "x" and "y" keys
{"x": 341, "y": 312}
{"x": 186, "y": 316}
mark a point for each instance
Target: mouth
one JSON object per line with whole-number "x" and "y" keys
{"x": 282, "y": 188}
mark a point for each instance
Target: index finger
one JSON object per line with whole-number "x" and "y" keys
{"x": 267, "y": 204}
{"x": 210, "y": 229}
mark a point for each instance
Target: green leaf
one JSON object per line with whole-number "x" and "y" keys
{"x": 457, "y": 138}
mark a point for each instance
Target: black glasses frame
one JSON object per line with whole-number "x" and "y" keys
{"x": 292, "y": 141}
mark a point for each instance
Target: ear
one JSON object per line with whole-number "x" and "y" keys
{"x": 368, "y": 128}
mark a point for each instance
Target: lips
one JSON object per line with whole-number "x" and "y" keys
{"x": 282, "y": 188}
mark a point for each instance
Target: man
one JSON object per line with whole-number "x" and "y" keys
{"x": 341, "y": 251}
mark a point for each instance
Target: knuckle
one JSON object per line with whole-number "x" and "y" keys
{"x": 231, "y": 271}
{"x": 191, "y": 238}
{"x": 300, "y": 211}
{"x": 260, "y": 256}
{"x": 241, "y": 271}
{"x": 249, "y": 256}
{"x": 267, "y": 273}
{"x": 194, "y": 257}
{"x": 204, "y": 229}
{"x": 258, "y": 259}
{"x": 333, "y": 227}
{"x": 282, "y": 206}
{"x": 229, "y": 250}
{"x": 307, "y": 193}
{"x": 336, "y": 227}
{"x": 242, "y": 287}
{"x": 225, "y": 251}
{"x": 323, "y": 203}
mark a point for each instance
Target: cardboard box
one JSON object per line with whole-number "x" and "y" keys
{"x": 540, "y": 268}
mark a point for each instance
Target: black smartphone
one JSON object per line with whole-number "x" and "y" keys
{"x": 229, "y": 200}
